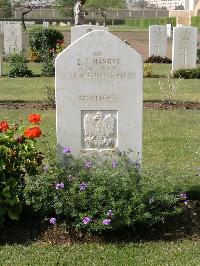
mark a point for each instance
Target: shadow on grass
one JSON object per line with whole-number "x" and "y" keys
{"x": 30, "y": 229}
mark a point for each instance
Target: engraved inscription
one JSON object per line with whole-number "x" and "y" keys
{"x": 99, "y": 129}
{"x": 99, "y": 67}
{"x": 96, "y": 98}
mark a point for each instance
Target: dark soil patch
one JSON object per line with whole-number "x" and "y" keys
{"x": 30, "y": 229}
{"x": 147, "y": 105}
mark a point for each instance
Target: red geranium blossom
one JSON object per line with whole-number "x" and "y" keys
{"x": 4, "y": 126}
{"x": 33, "y": 132}
{"x": 34, "y": 118}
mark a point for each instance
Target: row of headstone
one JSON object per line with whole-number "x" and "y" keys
{"x": 101, "y": 79}
{"x": 184, "y": 49}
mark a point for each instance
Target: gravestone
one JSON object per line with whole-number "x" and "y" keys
{"x": 1, "y": 26}
{"x": 1, "y": 52}
{"x": 80, "y": 30}
{"x": 184, "y": 50}
{"x": 99, "y": 96}
{"x": 157, "y": 40}
{"x": 169, "y": 30}
{"x": 45, "y": 24}
{"x": 12, "y": 38}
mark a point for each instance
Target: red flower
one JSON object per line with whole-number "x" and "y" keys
{"x": 34, "y": 118}
{"x": 4, "y": 126}
{"x": 33, "y": 132}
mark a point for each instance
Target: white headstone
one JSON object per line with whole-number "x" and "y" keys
{"x": 1, "y": 52}
{"x": 12, "y": 38}
{"x": 157, "y": 40}
{"x": 80, "y": 30}
{"x": 184, "y": 50}
{"x": 169, "y": 30}
{"x": 45, "y": 24}
{"x": 1, "y": 26}
{"x": 99, "y": 96}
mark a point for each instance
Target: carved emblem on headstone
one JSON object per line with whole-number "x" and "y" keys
{"x": 98, "y": 129}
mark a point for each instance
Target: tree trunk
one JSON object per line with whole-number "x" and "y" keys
{"x": 23, "y": 22}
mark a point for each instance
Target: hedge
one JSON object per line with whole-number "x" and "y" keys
{"x": 145, "y": 23}
{"x": 196, "y": 22}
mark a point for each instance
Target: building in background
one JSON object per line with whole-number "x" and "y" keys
{"x": 173, "y": 4}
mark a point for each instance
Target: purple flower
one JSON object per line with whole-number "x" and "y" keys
{"x": 106, "y": 222}
{"x": 86, "y": 220}
{"x": 83, "y": 186}
{"x": 52, "y": 220}
{"x": 110, "y": 214}
{"x": 186, "y": 202}
{"x": 66, "y": 150}
{"x": 114, "y": 164}
{"x": 59, "y": 186}
{"x": 46, "y": 168}
{"x": 88, "y": 165}
{"x": 183, "y": 196}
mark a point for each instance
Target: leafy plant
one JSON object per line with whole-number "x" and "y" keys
{"x": 98, "y": 194}
{"x": 18, "y": 157}
{"x": 158, "y": 59}
{"x": 192, "y": 73}
{"x": 147, "y": 71}
{"x": 168, "y": 88}
{"x": 18, "y": 66}
{"x": 48, "y": 66}
{"x": 42, "y": 40}
{"x": 34, "y": 56}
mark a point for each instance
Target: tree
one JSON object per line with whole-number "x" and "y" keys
{"x": 100, "y": 6}
{"x": 26, "y": 6}
{"x": 105, "y": 4}
{"x": 5, "y": 8}
{"x": 65, "y": 7}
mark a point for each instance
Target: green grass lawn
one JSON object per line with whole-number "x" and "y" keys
{"x": 34, "y": 89}
{"x": 181, "y": 253}
{"x": 110, "y": 27}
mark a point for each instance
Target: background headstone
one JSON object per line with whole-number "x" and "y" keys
{"x": 79, "y": 31}
{"x": 99, "y": 96}
{"x": 45, "y": 24}
{"x": 12, "y": 38}
{"x": 184, "y": 50}
{"x": 169, "y": 30}
{"x": 158, "y": 40}
{"x": 1, "y": 52}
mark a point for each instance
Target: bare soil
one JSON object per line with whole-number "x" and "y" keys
{"x": 147, "y": 105}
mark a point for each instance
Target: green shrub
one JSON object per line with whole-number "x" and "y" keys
{"x": 48, "y": 66}
{"x": 41, "y": 40}
{"x": 98, "y": 194}
{"x": 192, "y": 73}
{"x": 148, "y": 22}
{"x": 147, "y": 71}
{"x": 18, "y": 66}
{"x": 195, "y": 21}
{"x": 18, "y": 157}
{"x": 158, "y": 59}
